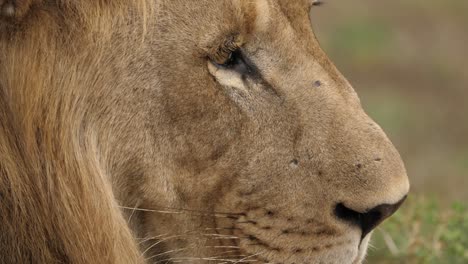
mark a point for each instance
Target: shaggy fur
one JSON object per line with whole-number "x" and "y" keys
{"x": 123, "y": 139}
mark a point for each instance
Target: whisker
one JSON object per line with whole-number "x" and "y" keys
{"x": 133, "y": 212}
{"x": 152, "y": 238}
{"x": 222, "y": 228}
{"x": 233, "y": 247}
{"x": 248, "y": 257}
{"x": 191, "y": 233}
{"x": 159, "y": 242}
{"x": 171, "y": 210}
{"x": 151, "y": 210}
{"x": 144, "y": 239}
{"x": 202, "y": 258}
{"x": 167, "y": 252}
{"x": 220, "y": 236}
{"x": 234, "y": 217}
{"x": 222, "y": 254}
{"x": 230, "y": 251}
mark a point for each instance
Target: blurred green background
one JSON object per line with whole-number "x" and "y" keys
{"x": 408, "y": 61}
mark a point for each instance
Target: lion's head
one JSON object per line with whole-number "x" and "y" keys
{"x": 225, "y": 132}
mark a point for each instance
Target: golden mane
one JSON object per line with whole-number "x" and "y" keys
{"x": 56, "y": 202}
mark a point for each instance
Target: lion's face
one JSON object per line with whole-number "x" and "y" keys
{"x": 258, "y": 148}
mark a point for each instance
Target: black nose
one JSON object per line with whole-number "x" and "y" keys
{"x": 369, "y": 220}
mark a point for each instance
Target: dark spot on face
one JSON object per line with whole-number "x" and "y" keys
{"x": 378, "y": 159}
{"x": 294, "y": 163}
{"x": 248, "y": 222}
{"x": 257, "y": 242}
{"x": 270, "y": 213}
{"x": 266, "y": 228}
{"x": 325, "y": 232}
{"x": 297, "y": 250}
{"x": 359, "y": 166}
{"x": 253, "y": 222}
{"x": 317, "y": 84}
{"x": 232, "y": 217}
{"x": 251, "y": 237}
{"x": 289, "y": 219}
{"x": 248, "y": 192}
{"x": 320, "y": 173}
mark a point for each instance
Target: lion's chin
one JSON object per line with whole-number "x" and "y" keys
{"x": 363, "y": 250}
{"x": 346, "y": 255}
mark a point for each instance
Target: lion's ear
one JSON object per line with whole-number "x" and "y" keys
{"x": 16, "y": 10}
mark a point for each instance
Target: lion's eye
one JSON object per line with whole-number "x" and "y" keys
{"x": 233, "y": 59}
{"x": 230, "y": 55}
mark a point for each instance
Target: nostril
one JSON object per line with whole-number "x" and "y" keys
{"x": 348, "y": 215}
{"x": 369, "y": 220}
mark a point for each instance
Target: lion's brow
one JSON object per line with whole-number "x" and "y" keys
{"x": 262, "y": 14}
{"x": 255, "y": 14}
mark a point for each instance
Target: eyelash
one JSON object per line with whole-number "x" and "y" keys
{"x": 234, "y": 58}
{"x": 226, "y": 53}
{"x": 230, "y": 56}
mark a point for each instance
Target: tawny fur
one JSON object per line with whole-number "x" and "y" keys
{"x": 117, "y": 123}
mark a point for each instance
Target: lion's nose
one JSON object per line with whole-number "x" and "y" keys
{"x": 369, "y": 220}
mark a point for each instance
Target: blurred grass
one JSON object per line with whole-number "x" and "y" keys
{"x": 408, "y": 62}
{"x": 423, "y": 232}
{"x": 362, "y": 40}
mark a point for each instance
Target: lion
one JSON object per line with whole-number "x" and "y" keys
{"x": 173, "y": 131}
